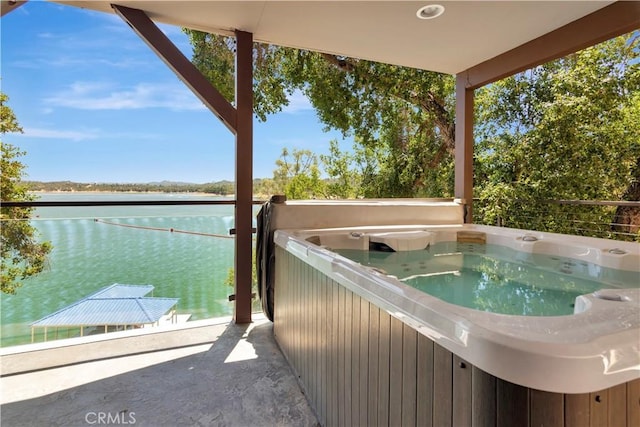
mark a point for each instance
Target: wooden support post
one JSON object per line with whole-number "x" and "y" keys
{"x": 464, "y": 145}
{"x": 244, "y": 176}
{"x": 238, "y": 120}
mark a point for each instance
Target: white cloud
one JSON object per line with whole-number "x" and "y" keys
{"x": 70, "y": 62}
{"x": 297, "y": 102}
{"x": 100, "y": 96}
{"x": 87, "y": 134}
{"x": 60, "y": 134}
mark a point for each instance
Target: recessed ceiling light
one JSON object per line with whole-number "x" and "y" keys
{"x": 430, "y": 11}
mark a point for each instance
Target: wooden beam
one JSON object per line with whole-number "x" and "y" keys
{"x": 611, "y": 21}
{"x": 464, "y": 146}
{"x": 244, "y": 176}
{"x": 7, "y": 6}
{"x": 184, "y": 69}
{"x": 238, "y": 119}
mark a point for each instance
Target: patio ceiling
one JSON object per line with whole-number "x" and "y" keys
{"x": 468, "y": 33}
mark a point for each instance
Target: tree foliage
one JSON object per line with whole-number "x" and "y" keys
{"x": 345, "y": 178}
{"x": 402, "y": 118}
{"x": 567, "y": 129}
{"x": 22, "y": 255}
{"x": 298, "y": 175}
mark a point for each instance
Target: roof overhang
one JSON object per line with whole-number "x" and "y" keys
{"x": 466, "y": 34}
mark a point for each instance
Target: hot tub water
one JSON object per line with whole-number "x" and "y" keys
{"x": 496, "y": 278}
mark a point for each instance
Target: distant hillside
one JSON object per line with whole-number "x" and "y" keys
{"x": 171, "y": 183}
{"x": 263, "y": 188}
{"x": 221, "y": 188}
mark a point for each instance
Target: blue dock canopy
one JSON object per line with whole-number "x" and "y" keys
{"x": 118, "y": 290}
{"x": 115, "y": 305}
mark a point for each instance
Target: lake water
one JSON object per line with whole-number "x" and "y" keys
{"x": 89, "y": 255}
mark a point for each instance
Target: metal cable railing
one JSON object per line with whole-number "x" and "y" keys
{"x": 619, "y": 220}
{"x": 594, "y": 218}
{"x": 104, "y": 203}
{"x": 88, "y": 203}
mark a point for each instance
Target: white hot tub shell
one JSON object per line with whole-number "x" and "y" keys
{"x": 596, "y": 348}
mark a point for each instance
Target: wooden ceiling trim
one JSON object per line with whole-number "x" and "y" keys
{"x": 611, "y": 21}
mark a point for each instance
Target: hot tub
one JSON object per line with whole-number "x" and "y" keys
{"x": 595, "y": 347}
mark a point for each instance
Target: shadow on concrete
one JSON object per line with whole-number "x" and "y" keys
{"x": 240, "y": 379}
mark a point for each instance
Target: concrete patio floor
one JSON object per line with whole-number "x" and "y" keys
{"x": 240, "y": 378}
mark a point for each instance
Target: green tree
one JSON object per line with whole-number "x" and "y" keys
{"x": 265, "y": 187}
{"x": 564, "y": 130}
{"x": 298, "y": 175}
{"x": 22, "y": 255}
{"x": 567, "y": 129}
{"x": 402, "y": 118}
{"x": 345, "y": 179}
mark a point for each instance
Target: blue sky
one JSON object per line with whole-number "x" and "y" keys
{"x": 97, "y": 105}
